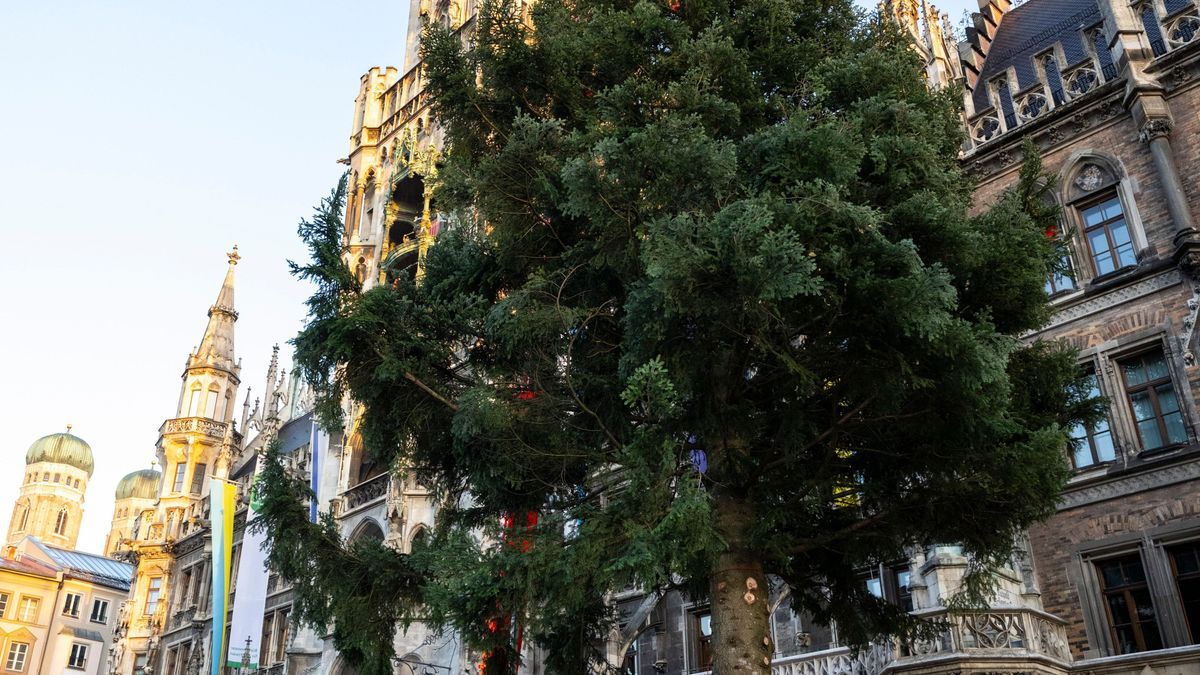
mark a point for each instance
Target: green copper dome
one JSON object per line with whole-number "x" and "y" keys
{"x": 62, "y": 448}
{"x": 139, "y": 485}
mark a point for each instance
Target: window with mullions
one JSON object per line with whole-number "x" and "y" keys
{"x": 1061, "y": 279}
{"x": 78, "y": 659}
{"x": 198, "y": 478}
{"x": 893, "y": 587}
{"x": 1107, "y": 234}
{"x": 1092, "y": 445}
{"x": 1152, "y": 397}
{"x": 1132, "y": 622}
{"x": 631, "y": 665}
{"x": 1185, "y": 563}
{"x": 17, "y": 652}
{"x": 180, "y": 472}
{"x": 702, "y": 632}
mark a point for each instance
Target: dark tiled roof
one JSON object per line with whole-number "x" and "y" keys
{"x": 1030, "y": 29}
{"x": 295, "y": 434}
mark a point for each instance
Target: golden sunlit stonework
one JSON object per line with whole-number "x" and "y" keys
{"x": 50, "y": 506}
{"x": 58, "y": 606}
{"x": 153, "y": 512}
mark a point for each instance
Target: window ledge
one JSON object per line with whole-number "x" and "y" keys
{"x": 1064, "y": 295}
{"x": 1097, "y": 469}
{"x": 1163, "y": 451}
{"x": 1105, "y": 280}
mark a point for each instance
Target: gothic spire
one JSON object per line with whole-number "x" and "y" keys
{"x": 216, "y": 348}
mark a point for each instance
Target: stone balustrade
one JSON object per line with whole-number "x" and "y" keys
{"x": 995, "y": 634}
{"x": 202, "y": 425}
{"x": 364, "y": 493}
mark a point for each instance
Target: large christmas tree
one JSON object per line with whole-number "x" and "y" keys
{"x": 712, "y": 314}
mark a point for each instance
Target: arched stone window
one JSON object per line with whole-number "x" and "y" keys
{"x": 210, "y": 402}
{"x": 368, "y": 212}
{"x": 223, "y": 409}
{"x": 417, "y": 539}
{"x": 1106, "y": 233}
{"x": 60, "y": 523}
{"x": 194, "y": 401}
{"x": 367, "y": 529}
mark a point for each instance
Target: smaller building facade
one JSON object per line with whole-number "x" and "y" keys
{"x": 58, "y": 608}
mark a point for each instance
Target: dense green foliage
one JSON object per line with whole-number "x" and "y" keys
{"x": 736, "y": 221}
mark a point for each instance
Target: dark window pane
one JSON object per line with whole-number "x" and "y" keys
{"x": 1112, "y": 576}
{"x": 1151, "y": 439}
{"x": 1143, "y": 407}
{"x": 1134, "y": 372}
{"x": 1156, "y": 367}
{"x": 1187, "y": 560}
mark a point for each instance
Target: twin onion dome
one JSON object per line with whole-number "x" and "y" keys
{"x": 62, "y": 448}
{"x": 141, "y": 484}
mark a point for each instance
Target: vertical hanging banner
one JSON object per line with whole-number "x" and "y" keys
{"x": 314, "y": 482}
{"x": 250, "y": 603}
{"x": 221, "y": 496}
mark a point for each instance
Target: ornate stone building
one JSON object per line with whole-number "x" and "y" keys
{"x": 198, "y": 442}
{"x": 1107, "y": 90}
{"x": 50, "y": 506}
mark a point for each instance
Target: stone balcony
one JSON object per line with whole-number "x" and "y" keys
{"x": 364, "y": 494}
{"x": 203, "y": 425}
{"x": 999, "y": 640}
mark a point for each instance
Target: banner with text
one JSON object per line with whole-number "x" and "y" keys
{"x": 250, "y": 602}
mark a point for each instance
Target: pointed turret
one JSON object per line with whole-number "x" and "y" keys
{"x": 216, "y": 348}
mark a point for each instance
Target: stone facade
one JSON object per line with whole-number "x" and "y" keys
{"x": 58, "y": 608}
{"x": 1106, "y": 90}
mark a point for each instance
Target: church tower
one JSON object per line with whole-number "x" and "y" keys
{"x": 50, "y": 507}
{"x": 189, "y": 445}
{"x": 135, "y": 496}
{"x": 195, "y": 444}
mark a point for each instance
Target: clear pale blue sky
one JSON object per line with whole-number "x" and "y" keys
{"x": 138, "y": 142}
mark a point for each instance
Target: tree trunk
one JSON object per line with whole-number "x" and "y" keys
{"x": 741, "y": 640}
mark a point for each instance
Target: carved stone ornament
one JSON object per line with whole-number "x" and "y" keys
{"x": 1156, "y": 128}
{"x": 1090, "y": 178}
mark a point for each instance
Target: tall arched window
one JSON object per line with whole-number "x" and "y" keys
{"x": 60, "y": 523}
{"x": 194, "y": 403}
{"x": 1104, "y": 216}
{"x": 23, "y": 518}
{"x": 223, "y": 409}
{"x": 368, "y": 213}
{"x": 210, "y": 404}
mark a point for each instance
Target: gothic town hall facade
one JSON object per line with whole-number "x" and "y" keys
{"x": 1108, "y": 92}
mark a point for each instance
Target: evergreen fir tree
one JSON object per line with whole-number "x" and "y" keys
{"x": 713, "y": 313}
